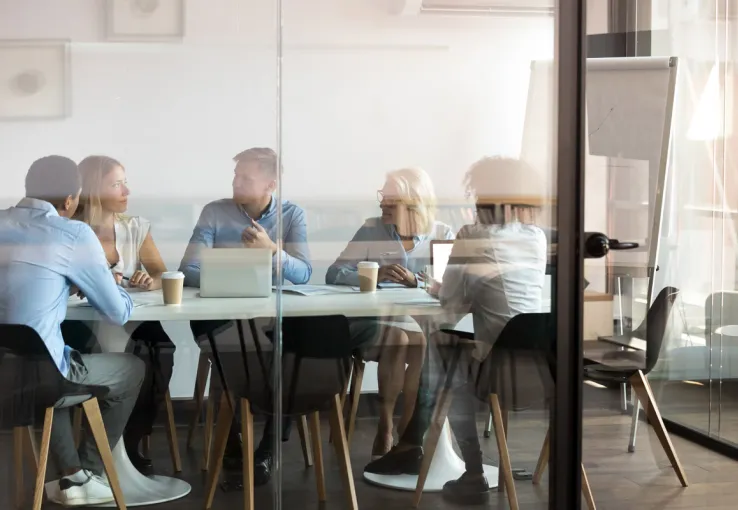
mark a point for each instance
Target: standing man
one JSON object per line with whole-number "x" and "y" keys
{"x": 45, "y": 258}
{"x": 249, "y": 220}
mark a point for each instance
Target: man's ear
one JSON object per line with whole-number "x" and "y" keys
{"x": 68, "y": 202}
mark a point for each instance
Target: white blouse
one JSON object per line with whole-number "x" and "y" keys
{"x": 130, "y": 233}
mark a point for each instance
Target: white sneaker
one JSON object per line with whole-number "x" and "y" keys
{"x": 84, "y": 488}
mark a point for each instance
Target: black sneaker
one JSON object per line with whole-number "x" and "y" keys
{"x": 470, "y": 489}
{"x": 406, "y": 462}
{"x": 263, "y": 465}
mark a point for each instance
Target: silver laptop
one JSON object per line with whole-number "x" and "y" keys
{"x": 235, "y": 272}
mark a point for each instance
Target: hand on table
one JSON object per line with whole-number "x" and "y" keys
{"x": 74, "y": 290}
{"x": 141, "y": 280}
{"x": 256, "y": 237}
{"x": 396, "y": 273}
{"x": 432, "y": 286}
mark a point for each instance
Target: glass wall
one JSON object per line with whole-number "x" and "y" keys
{"x": 699, "y": 240}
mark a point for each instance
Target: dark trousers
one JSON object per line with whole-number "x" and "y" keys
{"x": 148, "y": 339}
{"x": 461, "y": 416}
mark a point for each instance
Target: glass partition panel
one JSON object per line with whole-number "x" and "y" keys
{"x": 399, "y": 121}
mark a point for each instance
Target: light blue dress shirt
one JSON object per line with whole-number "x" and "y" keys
{"x": 41, "y": 256}
{"x": 378, "y": 242}
{"x": 222, "y": 223}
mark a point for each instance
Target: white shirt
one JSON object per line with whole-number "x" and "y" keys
{"x": 130, "y": 233}
{"x": 495, "y": 272}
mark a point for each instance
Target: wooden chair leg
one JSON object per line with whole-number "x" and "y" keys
{"x": 223, "y": 427}
{"x": 146, "y": 446}
{"x": 31, "y": 448}
{"x": 490, "y": 419}
{"x": 94, "y": 418}
{"x": 342, "y": 452}
{"x": 172, "y": 434}
{"x": 43, "y": 458}
{"x": 307, "y": 452}
{"x": 587, "y": 491}
{"x": 356, "y": 381}
{"x": 501, "y": 436}
{"x": 18, "y": 441}
{"x": 344, "y": 393}
{"x": 207, "y": 436}
{"x": 314, "y": 421}
{"x": 431, "y": 441}
{"x": 77, "y": 425}
{"x": 247, "y": 452}
{"x": 643, "y": 389}
{"x": 542, "y": 459}
{"x": 200, "y": 382}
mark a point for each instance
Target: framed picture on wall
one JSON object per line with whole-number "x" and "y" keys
{"x": 145, "y": 20}
{"x": 34, "y": 80}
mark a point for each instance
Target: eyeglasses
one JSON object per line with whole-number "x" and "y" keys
{"x": 380, "y": 195}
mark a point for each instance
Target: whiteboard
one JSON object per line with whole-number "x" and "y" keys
{"x": 629, "y": 104}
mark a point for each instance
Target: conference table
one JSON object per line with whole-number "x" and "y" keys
{"x": 139, "y": 490}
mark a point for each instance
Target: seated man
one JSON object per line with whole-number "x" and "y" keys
{"x": 496, "y": 271}
{"x": 45, "y": 258}
{"x": 249, "y": 220}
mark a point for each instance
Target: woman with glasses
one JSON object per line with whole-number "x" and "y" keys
{"x": 399, "y": 241}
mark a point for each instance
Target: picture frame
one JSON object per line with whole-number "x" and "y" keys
{"x": 35, "y": 80}
{"x": 145, "y": 20}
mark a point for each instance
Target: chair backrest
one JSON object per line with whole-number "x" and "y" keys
{"x": 654, "y": 327}
{"x": 721, "y": 310}
{"x": 520, "y": 366}
{"x": 29, "y": 377}
{"x": 316, "y": 360}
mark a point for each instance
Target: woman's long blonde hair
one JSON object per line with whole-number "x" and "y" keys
{"x": 418, "y": 194}
{"x": 93, "y": 170}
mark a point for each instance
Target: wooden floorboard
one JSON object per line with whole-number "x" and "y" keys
{"x": 620, "y": 480}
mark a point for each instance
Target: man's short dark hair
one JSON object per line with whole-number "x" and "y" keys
{"x": 53, "y": 179}
{"x": 265, "y": 156}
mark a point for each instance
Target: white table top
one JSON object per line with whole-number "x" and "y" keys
{"x": 382, "y": 303}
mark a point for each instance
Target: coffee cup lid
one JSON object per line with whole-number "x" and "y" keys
{"x": 172, "y": 275}
{"x": 367, "y": 264}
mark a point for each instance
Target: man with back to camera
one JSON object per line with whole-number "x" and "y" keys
{"x": 249, "y": 220}
{"x": 45, "y": 258}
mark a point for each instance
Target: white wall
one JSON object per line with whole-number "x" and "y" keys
{"x": 363, "y": 92}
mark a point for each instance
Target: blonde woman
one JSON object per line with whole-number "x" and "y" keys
{"x": 399, "y": 240}
{"x": 131, "y": 252}
{"x": 496, "y": 271}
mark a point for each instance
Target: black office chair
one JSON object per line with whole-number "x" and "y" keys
{"x": 608, "y": 366}
{"x": 32, "y": 387}
{"x": 503, "y": 381}
{"x": 201, "y": 331}
{"x": 315, "y": 369}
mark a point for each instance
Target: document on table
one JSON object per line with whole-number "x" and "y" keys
{"x": 318, "y": 290}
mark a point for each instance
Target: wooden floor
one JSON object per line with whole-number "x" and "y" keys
{"x": 620, "y": 480}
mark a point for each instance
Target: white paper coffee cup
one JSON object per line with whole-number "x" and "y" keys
{"x": 172, "y": 285}
{"x": 368, "y": 273}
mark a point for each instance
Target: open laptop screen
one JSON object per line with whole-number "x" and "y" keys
{"x": 440, "y": 253}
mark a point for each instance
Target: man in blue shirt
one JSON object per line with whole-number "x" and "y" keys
{"x": 44, "y": 258}
{"x": 249, "y": 220}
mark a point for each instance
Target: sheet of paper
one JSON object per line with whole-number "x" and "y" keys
{"x": 318, "y": 290}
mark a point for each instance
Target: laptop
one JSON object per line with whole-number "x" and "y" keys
{"x": 440, "y": 252}
{"x": 235, "y": 272}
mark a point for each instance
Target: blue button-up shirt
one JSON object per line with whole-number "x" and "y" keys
{"x": 378, "y": 242}
{"x": 41, "y": 256}
{"x": 222, "y": 223}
